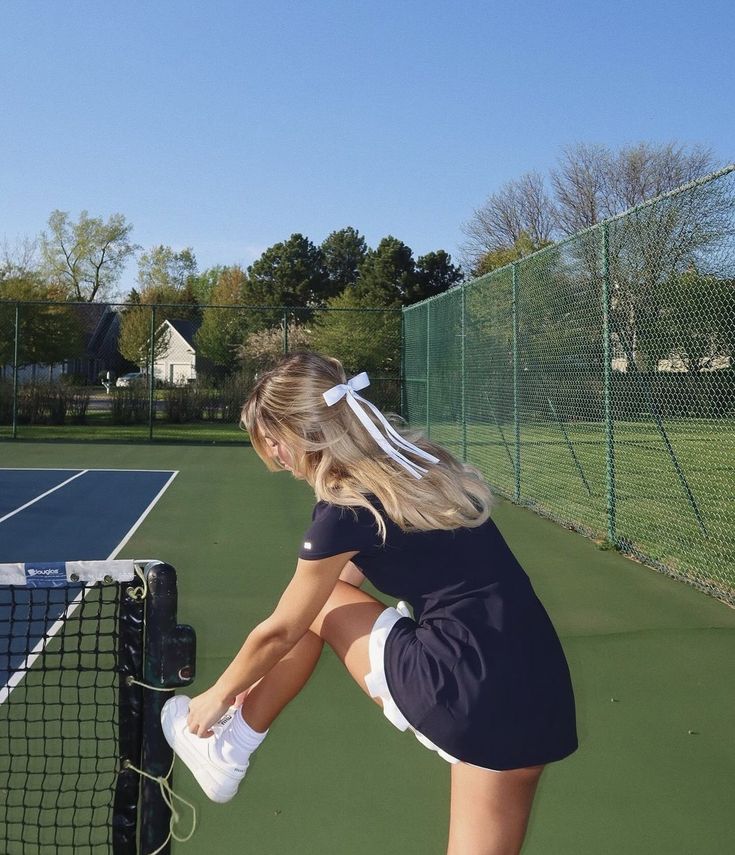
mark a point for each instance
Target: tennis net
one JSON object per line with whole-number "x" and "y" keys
{"x": 73, "y": 724}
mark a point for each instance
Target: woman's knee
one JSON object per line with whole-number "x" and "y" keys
{"x": 345, "y": 623}
{"x": 345, "y": 602}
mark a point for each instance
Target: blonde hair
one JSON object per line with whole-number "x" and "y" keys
{"x": 336, "y": 455}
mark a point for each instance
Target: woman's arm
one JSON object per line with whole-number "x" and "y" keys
{"x": 272, "y": 639}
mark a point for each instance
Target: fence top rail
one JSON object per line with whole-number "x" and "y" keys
{"x": 683, "y": 188}
{"x": 199, "y": 306}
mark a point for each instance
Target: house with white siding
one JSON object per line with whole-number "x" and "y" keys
{"x": 178, "y": 362}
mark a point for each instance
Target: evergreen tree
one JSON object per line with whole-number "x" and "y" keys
{"x": 386, "y": 275}
{"x": 343, "y": 253}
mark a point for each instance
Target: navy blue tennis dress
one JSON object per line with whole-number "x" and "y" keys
{"x": 479, "y": 670}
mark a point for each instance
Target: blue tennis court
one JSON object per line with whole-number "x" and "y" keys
{"x": 56, "y": 515}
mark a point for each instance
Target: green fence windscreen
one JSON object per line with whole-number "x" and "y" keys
{"x": 594, "y": 381}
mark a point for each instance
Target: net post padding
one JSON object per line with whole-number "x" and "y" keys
{"x": 169, "y": 657}
{"x": 130, "y": 732}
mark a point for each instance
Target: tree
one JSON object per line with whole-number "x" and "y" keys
{"x": 162, "y": 272}
{"x": 646, "y": 247}
{"x": 593, "y": 183}
{"x": 689, "y": 320}
{"x": 363, "y": 341}
{"x": 503, "y": 256}
{"x": 519, "y": 212}
{"x": 290, "y": 273}
{"x": 47, "y": 334}
{"x": 19, "y": 260}
{"x": 135, "y": 334}
{"x": 203, "y": 284}
{"x": 386, "y": 275}
{"x": 165, "y": 279}
{"x": 84, "y": 259}
{"x": 343, "y": 252}
{"x": 263, "y": 348}
{"x": 223, "y": 329}
{"x": 434, "y": 274}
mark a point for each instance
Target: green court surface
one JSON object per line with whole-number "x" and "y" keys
{"x": 652, "y": 662}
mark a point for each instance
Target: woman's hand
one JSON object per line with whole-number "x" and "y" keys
{"x": 270, "y": 641}
{"x": 205, "y": 710}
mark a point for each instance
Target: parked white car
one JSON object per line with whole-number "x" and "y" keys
{"x": 130, "y": 379}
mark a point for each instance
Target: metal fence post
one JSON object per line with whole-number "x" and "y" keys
{"x": 607, "y": 387}
{"x": 428, "y": 374}
{"x": 462, "y": 373}
{"x": 516, "y": 415}
{"x": 151, "y": 366}
{"x": 402, "y": 368}
{"x": 15, "y": 370}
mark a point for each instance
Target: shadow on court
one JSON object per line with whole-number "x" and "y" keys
{"x": 651, "y": 661}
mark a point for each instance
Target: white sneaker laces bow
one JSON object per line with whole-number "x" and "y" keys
{"x": 349, "y": 390}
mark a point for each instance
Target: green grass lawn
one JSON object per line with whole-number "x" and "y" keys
{"x": 680, "y": 518}
{"x": 99, "y": 428}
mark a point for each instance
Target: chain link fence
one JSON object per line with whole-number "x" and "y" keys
{"x": 174, "y": 372}
{"x": 594, "y": 381}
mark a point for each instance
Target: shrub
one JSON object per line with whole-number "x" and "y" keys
{"x": 235, "y": 390}
{"x": 130, "y": 404}
{"x": 6, "y": 402}
{"x": 77, "y": 404}
{"x": 41, "y": 404}
{"x": 182, "y": 404}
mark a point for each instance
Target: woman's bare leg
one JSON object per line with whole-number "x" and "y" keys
{"x": 345, "y": 623}
{"x": 490, "y": 810}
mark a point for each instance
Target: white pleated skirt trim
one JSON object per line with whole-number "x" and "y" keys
{"x": 377, "y": 684}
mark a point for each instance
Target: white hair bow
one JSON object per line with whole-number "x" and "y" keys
{"x": 349, "y": 390}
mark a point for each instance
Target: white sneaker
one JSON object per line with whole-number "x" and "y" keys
{"x": 217, "y": 778}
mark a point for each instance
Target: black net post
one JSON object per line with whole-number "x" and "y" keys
{"x": 130, "y": 665}
{"x": 169, "y": 656}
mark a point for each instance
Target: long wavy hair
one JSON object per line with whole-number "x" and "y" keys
{"x": 336, "y": 455}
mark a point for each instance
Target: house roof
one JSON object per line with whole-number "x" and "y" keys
{"x": 91, "y": 316}
{"x": 186, "y": 329}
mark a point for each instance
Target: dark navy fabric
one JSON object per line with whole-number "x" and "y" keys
{"x": 480, "y": 670}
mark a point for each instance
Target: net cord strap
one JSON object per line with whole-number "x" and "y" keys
{"x": 169, "y": 797}
{"x": 142, "y": 592}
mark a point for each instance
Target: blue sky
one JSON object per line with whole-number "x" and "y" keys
{"x": 227, "y": 126}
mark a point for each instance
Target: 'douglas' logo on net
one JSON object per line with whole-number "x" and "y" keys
{"x": 46, "y": 574}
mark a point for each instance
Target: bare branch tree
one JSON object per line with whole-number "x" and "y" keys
{"x": 520, "y": 209}
{"x": 593, "y": 183}
{"x": 20, "y": 259}
{"x": 581, "y": 186}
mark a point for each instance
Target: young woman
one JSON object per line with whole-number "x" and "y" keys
{"x": 476, "y": 671}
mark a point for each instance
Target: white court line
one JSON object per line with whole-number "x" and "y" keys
{"x": 71, "y": 469}
{"x": 145, "y": 513}
{"x": 43, "y": 495}
{"x": 17, "y": 676}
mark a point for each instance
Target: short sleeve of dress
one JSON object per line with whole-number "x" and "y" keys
{"x": 336, "y": 529}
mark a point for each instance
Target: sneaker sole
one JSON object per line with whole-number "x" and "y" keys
{"x": 212, "y": 786}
